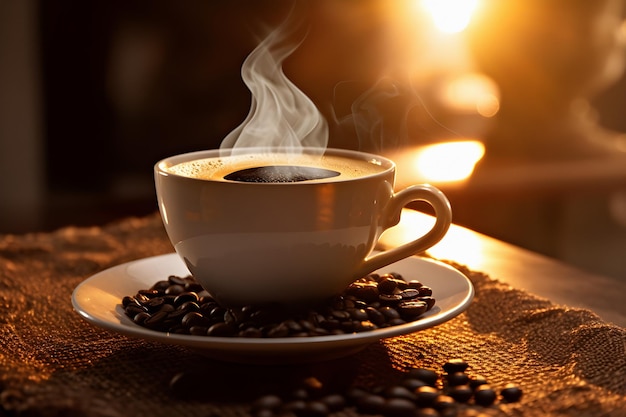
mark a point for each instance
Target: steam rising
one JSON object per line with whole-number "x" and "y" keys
{"x": 281, "y": 115}
{"x": 389, "y": 114}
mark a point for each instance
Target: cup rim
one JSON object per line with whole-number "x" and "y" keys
{"x": 160, "y": 167}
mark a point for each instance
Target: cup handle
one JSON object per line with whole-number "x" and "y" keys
{"x": 443, "y": 218}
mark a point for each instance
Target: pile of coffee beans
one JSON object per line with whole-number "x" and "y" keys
{"x": 421, "y": 392}
{"x": 180, "y": 305}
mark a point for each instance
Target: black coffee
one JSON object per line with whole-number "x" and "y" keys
{"x": 280, "y": 173}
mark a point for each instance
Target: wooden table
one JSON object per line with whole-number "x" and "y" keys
{"x": 535, "y": 273}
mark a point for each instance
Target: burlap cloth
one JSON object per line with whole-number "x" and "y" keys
{"x": 53, "y": 363}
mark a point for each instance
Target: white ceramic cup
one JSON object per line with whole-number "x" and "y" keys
{"x": 287, "y": 242}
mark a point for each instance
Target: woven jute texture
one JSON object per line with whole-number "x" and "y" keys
{"x": 54, "y": 363}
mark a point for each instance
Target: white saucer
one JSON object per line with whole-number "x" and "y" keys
{"x": 98, "y": 300}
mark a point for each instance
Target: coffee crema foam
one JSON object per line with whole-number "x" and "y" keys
{"x": 215, "y": 169}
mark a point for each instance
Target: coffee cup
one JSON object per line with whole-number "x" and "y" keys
{"x": 261, "y": 226}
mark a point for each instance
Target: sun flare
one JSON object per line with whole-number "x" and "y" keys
{"x": 450, "y": 16}
{"x": 449, "y": 161}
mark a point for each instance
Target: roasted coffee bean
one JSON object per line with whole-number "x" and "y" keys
{"x": 194, "y": 318}
{"x": 134, "y": 309}
{"x": 427, "y": 412}
{"x": 194, "y": 287}
{"x": 334, "y": 402}
{"x": 399, "y": 407}
{"x": 415, "y": 284}
{"x": 457, "y": 378}
{"x": 412, "y": 308}
{"x": 410, "y": 294}
{"x": 199, "y": 330}
{"x": 250, "y": 332}
{"x": 160, "y": 286}
{"x": 425, "y": 291}
{"x": 455, "y": 365}
{"x": 396, "y": 322}
{"x": 128, "y": 301}
{"x": 156, "y": 320}
{"x": 221, "y": 329}
{"x": 141, "y": 299}
{"x": 476, "y": 380}
{"x": 358, "y": 314}
{"x": 389, "y": 313}
{"x": 484, "y": 395}
{"x": 168, "y": 308}
{"x": 367, "y": 292}
{"x": 371, "y": 403}
{"x": 184, "y": 297}
{"x": 150, "y": 293}
{"x": 353, "y": 394}
{"x": 364, "y": 326}
{"x": 314, "y": 409}
{"x": 155, "y": 304}
{"x": 267, "y": 402}
{"x": 176, "y": 280}
{"x": 430, "y": 301}
{"x": 387, "y": 286}
{"x": 399, "y": 391}
{"x": 425, "y": 396}
{"x": 294, "y": 406}
{"x": 278, "y": 331}
{"x": 340, "y": 314}
{"x": 141, "y": 318}
{"x": 217, "y": 313}
{"x": 175, "y": 289}
{"x": 429, "y": 376}
{"x": 461, "y": 393}
{"x": 413, "y": 383}
{"x": 390, "y": 298}
{"x": 189, "y": 306}
{"x": 375, "y": 316}
{"x": 511, "y": 393}
{"x": 444, "y": 402}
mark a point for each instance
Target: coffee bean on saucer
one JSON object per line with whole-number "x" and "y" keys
{"x": 412, "y": 308}
{"x": 180, "y": 304}
{"x": 425, "y": 291}
{"x": 387, "y": 285}
{"x": 414, "y": 284}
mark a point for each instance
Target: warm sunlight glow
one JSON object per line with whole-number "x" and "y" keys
{"x": 471, "y": 93}
{"x": 460, "y": 244}
{"x": 448, "y": 161}
{"x": 450, "y": 16}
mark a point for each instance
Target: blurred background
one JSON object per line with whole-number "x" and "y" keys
{"x": 514, "y": 108}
